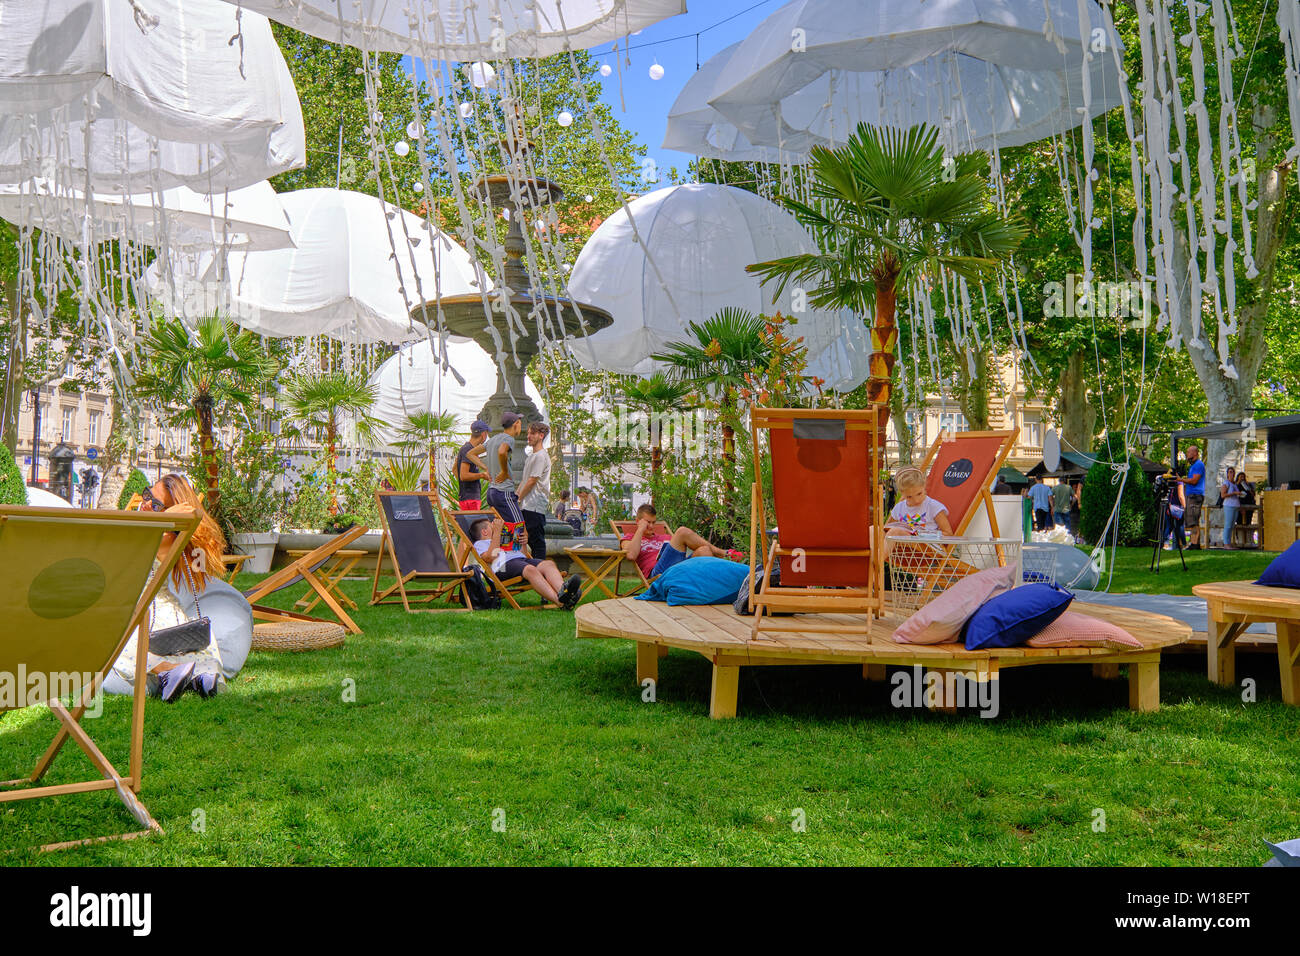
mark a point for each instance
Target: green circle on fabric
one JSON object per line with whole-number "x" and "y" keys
{"x": 66, "y": 588}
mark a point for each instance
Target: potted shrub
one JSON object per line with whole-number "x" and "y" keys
{"x": 250, "y": 506}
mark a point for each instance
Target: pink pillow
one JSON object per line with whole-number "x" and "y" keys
{"x": 1073, "y": 629}
{"x": 941, "y": 621}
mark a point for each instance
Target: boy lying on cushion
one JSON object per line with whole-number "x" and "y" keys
{"x": 656, "y": 553}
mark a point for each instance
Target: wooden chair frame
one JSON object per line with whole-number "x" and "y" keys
{"x": 767, "y": 599}
{"x": 448, "y": 585}
{"x": 305, "y": 568}
{"x": 465, "y": 551}
{"x": 127, "y": 786}
{"x": 629, "y": 527}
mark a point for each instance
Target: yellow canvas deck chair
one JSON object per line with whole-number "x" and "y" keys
{"x": 304, "y": 569}
{"x": 458, "y": 524}
{"x": 75, "y": 585}
{"x": 824, "y": 491}
{"x": 960, "y": 468}
{"x": 413, "y": 543}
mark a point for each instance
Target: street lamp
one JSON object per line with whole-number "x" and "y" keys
{"x": 158, "y": 450}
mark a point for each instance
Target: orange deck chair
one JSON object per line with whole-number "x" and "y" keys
{"x": 959, "y": 468}
{"x": 824, "y": 489}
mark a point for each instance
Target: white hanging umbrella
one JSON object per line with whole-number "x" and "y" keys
{"x": 486, "y": 30}
{"x": 249, "y": 218}
{"x": 359, "y": 267}
{"x": 696, "y": 127}
{"x": 696, "y": 240}
{"x": 986, "y": 72}
{"x": 414, "y": 380}
{"x": 199, "y": 98}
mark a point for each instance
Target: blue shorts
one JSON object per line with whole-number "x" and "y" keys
{"x": 668, "y": 556}
{"x": 506, "y": 504}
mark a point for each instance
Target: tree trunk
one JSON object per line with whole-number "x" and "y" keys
{"x": 1078, "y": 416}
{"x": 119, "y": 453}
{"x": 973, "y": 391}
{"x": 13, "y": 390}
{"x": 331, "y": 466}
{"x": 884, "y": 339}
{"x": 902, "y": 429}
{"x": 208, "y": 453}
{"x": 728, "y": 448}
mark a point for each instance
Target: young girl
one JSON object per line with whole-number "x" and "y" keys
{"x": 916, "y": 513}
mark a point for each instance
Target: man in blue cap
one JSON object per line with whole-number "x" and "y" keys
{"x": 469, "y": 467}
{"x": 503, "y": 480}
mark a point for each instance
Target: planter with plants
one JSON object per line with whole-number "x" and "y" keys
{"x": 249, "y": 510}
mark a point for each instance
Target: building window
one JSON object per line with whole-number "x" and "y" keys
{"x": 1031, "y": 433}
{"x": 952, "y": 422}
{"x": 92, "y": 429}
{"x": 915, "y": 419}
{"x": 65, "y": 431}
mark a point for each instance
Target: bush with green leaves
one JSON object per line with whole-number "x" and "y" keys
{"x": 135, "y": 484}
{"x": 359, "y": 494}
{"x": 1136, "y": 522}
{"x": 12, "y": 489}
{"x": 309, "y": 502}
{"x": 246, "y": 479}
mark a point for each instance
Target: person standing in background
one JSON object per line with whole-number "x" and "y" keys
{"x": 1231, "y": 496}
{"x": 535, "y": 489}
{"x": 1061, "y": 504}
{"x": 1195, "y": 491}
{"x": 497, "y": 455}
{"x": 1041, "y": 496}
{"x": 469, "y": 467}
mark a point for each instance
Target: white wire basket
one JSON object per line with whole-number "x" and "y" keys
{"x": 920, "y": 569}
{"x": 1038, "y": 564}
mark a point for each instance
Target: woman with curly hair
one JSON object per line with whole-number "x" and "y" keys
{"x": 192, "y": 581}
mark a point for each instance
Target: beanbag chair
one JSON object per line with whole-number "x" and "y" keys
{"x": 231, "y": 617}
{"x": 1012, "y": 618}
{"x": 1284, "y": 570}
{"x": 703, "y": 580}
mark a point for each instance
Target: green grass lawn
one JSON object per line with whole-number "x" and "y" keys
{"x": 459, "y": 717}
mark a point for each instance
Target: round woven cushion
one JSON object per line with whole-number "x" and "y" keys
{"x": 297, "y": 635}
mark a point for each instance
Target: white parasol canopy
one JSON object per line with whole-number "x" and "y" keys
{"x": 414, "y": 381}
{"x": 987, "y": 73}
{"x": 485, "y": 30}
{"x": 360, "y": 265}
{"x": 201, "y": 97}
{"x": 696, "y": 240}
{"x": 249, "y": 218}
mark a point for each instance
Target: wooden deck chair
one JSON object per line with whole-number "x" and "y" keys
{"x": 304, "y": 569}
{"x": 413, "y": 542}
{"x": 622, "y": 528}
{"x": 960, "y": 467}
{"x": 458, "y": 525}
{"x": 824, "y": 489}
{"x": 75, "y": 585}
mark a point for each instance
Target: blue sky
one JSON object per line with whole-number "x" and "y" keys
{"x": 644, "y": 103}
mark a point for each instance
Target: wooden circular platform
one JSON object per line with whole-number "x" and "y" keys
{"x": 723, "y": 636}
{"x": 1231, "y": 607}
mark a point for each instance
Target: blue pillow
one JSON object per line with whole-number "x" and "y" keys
{"x": 702, "y": 580}
{"x": 1015, "y": 616}
{"x": 1284, "y": 570}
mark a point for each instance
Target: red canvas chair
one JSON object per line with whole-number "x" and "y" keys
{"x": 824, "y": 491}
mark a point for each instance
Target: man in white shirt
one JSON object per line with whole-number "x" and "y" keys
{"x": 535, "y": 489}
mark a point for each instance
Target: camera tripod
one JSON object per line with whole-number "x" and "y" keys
{"x": 1166, "y": 521}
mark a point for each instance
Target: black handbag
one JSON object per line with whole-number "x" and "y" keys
{"x": 184, "y": 638}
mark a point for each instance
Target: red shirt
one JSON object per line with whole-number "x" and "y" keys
{"x": 651, "y": 545}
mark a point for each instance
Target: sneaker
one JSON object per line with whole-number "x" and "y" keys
{"x": 205, "y": 685}
{"x": 172, "y": 683}
{"x": 570, "y": 592}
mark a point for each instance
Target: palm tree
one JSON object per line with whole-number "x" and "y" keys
{"x": 654, "y": 396}
{"x": 215, "y": 368}
{"x": 722, "y": 351}
{"x": 426, "y": 432}
{"x": 317, "y": 401}
{"x": 889, "y": 208}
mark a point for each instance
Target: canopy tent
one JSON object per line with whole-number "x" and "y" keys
{"x": 1075, "y": 465}
{"x": 359, "y": 267}
{"x": 1281, "y": 433}
{"x": 92, "y": 98}
{"x": 248, "y": 218}
{"x": 486, "y": 30}
{"x": 695, "y": 241}
{"x": 414, "y": 380}
{"x": 1013, "y": 476}
{"x": 696, "y": 127}
{"x": 987, "y": 73}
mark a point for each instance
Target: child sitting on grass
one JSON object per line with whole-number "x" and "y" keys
{"x": 542, "y": 575}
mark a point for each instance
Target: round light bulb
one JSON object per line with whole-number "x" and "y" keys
{"x": 418, "y": 187}
{"x": 606, "y": 69}
{"x": 466, "y": 110}
{"x": 413, "y": 129}
{"x": 656, "y": 71}
{"x": 481, "y": 74}
{"x": 589, "y": 197}
{"x": 565, "y": 118}
{"x": 401, "y": 148}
